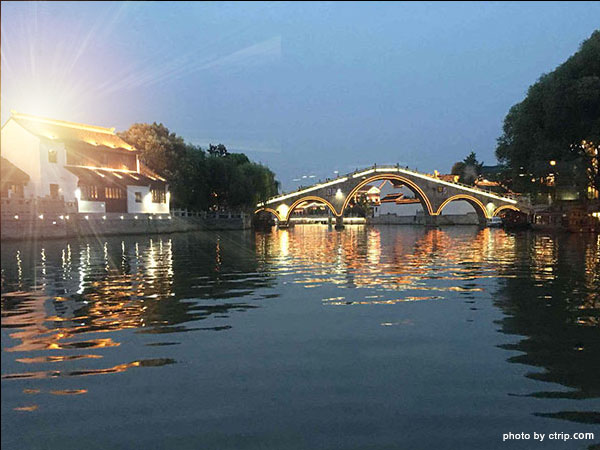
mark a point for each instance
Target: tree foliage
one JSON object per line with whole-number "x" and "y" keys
{"x": 468, "y": 169}
{"x": 201, "y": 180}
{"x": 558, "y": 119}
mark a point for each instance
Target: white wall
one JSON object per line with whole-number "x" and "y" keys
{"x": 56, "y": 173}
{"x": 22, "y": 149}
{"x": 146, "y": 206}
{"x": 30, "y": 154}
{"x": 455, "y": 208}
{"x": 86, "y": 206}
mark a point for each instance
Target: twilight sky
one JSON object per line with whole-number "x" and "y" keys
{"x": 306, "y": 88}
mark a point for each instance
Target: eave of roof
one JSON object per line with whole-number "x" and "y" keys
{"x": 104, "y": 177}
{"x": 62, "y": 131}
{"x": 9, "y": 172}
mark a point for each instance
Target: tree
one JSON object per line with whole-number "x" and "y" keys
{"x": 217, "y": 150}
{"x": 468, "y": 170}
{"x": 557, "y": 120}
{"x": 198, "y": 180}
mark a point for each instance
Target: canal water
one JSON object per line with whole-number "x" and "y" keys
{"x": 370, "y": 338}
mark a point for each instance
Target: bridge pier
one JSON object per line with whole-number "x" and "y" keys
{"x": 431, "y": 221}
{"x": 283, "y": 224}
{"x": 339, "y": 223}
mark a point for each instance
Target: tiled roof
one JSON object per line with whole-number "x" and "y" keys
{"x": 88, "y": 175}
{"x": 59, "y": 130}
{"x": 391, "y": 197}
{"x": 11, "y": 173}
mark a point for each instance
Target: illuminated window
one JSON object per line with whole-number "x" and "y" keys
{"x": 89, "y": 193}
{"x": 113, "y": 193}
{"x": 52, "y": 156}
{"x": 138, "y": 197}
{"x": 158, "y": 195}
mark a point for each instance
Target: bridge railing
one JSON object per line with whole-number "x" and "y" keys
{"x": 397, "y": 168}
{"x": 433, "y": 177}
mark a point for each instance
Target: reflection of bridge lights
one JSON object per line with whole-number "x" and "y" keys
{"x": 284, "y": 243}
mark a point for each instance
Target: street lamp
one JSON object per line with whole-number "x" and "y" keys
{"x": 552, "y": 162}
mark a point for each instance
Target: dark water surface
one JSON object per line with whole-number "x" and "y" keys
{"x": 370, "y": 338}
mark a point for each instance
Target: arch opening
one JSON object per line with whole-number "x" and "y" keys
{"x": 401, "y": 181}
{"x": 309, "y": 205}
{"x": 504, "y": 209}
{"x": 272, "y": 212}
{"x": 478, "y": 206}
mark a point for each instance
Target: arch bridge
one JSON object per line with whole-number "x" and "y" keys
{"x": 432, "y": 192}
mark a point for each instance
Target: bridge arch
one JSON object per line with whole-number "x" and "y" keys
{"x": 475, "y": 202}
{"x": 309, "y": 198}
{"x": 425, "y": 202}
{"x": 270, "y": 210}
{"x": 505, "y": 207}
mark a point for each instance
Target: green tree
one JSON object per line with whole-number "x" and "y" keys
{"x": 468, "y": 169}
{"x": 181, "y": 164}
{"x": 217, "y": 150}
{"x": 559, "y": 120}
{"x": 199, "y": 180}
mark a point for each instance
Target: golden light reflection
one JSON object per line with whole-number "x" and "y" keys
{"x": 26, "y": 408}
{"x": 107, "y": 293}
{"x": 433, "y": 260}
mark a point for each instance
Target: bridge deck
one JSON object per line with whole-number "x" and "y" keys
{"x": 387, "y": 169}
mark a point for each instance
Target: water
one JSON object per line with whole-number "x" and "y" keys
{"x": 378, "y": 338}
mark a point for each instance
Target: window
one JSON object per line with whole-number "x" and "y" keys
{"x": 158, "y": 195}
{"x": 138, "y": 197}
{"x": 114, "y": 193}
{"x": 54, "y": 191}
{"x": 89, "y": 193}
{"x": 52, "y": 156}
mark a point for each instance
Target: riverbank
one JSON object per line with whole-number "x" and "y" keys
{"x": 16, "y": 227}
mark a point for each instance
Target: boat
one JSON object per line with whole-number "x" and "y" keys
{"x": 494, "y": 222}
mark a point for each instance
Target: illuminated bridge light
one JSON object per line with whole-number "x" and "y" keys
{"x": 393, "y": 169}
{"x": 303, "y": 191}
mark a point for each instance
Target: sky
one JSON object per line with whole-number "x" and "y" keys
{"x": 305, "y": 88}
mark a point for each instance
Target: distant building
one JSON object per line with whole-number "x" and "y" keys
{"x": 398, "y": 200}
{"x": 85, "y": 164}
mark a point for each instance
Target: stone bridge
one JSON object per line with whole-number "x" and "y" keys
{"x": 432, "y": 192}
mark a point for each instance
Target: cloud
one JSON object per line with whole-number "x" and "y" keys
{"x": 263, "y": 52}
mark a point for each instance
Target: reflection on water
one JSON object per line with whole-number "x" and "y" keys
{"x": 102, "y": 307}
{"x": 558, "y": 318}
{"x": 73, "y": 292}
{"x": 399, "y": 265}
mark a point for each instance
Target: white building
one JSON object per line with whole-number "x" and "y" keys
{"x": 86, "y": 164}
{"x": 398, "y": 200}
